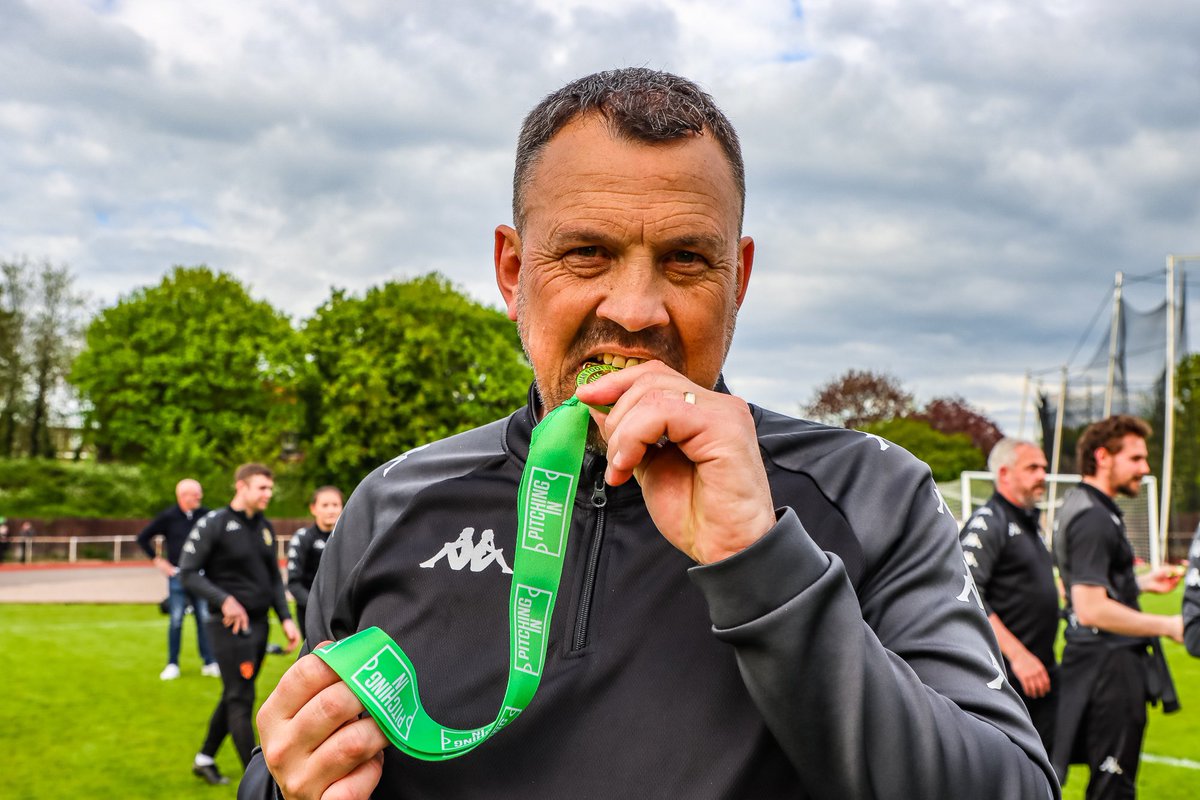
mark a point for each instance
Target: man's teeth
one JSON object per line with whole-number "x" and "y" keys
{"x": 620, "y": 362}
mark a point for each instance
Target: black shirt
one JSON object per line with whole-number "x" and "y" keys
{"x": 229, "y": 553}
{"x": 1014, "y": 573}
{"x": 173, "y": 524}
{"x": 1091, "y": 549}
{"x": 304, "y": 556}
{"x": 1191, "y": 599}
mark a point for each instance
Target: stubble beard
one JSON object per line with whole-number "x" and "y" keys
{"x": 554, "y": 396}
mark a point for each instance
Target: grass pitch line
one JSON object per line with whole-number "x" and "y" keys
{"x": 1170, "y": 761}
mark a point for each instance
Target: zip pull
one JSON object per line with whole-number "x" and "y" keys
{"x": 599, "y": 498}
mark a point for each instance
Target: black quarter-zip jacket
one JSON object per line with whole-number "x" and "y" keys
{"x": 1191, "y": 598}
{"x": 303, "y": 559}
{"x": 844, "y": 655}
{"x": 229, "y": 553}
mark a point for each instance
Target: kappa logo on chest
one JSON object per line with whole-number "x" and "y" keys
{"x": 466, "y": 552}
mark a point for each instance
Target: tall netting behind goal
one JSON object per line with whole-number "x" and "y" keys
{"x": 1141, "y": 519}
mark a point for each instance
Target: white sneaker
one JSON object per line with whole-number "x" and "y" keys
{"x": 211, "y": 670}
{"x": 170, "y": 672}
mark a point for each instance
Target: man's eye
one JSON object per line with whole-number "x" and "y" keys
{"x": 591, "y": 251}
{"x": 686, "y": 261}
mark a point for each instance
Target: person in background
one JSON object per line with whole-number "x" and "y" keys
{"x": 1106, "y": 667}
{"x": 229, "y": 561}
{"x": 1014, "y": 572}
{"x": 174, "y": 524}
{"x": 1191, "y": 598}
{"x": 307, "y": 545}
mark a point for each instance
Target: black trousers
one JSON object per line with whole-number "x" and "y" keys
{"x": 1111, "y": 729}
{"x": 239, "y": 658}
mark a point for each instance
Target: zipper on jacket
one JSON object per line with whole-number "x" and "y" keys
{"x": 599, "y": 501}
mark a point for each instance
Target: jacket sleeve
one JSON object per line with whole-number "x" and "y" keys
{"x": 257, "y": 783}
{"x": 196, "y": 552}
{"x": 298, "y": 552}
{"x": 893, "y": 691}
{"x": 1191, "y": 599}
{"x": 983, "y": 539}
{"x": 156, "y": 527}
{"x": 278, "y": 594}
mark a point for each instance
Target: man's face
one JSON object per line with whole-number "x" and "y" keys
{"x": 629, "y": 251}
{"x": 189, "y": 496}
{"x": 1126, "y": 468}
{"x": 256, "y": 493}
{"x": 326, "y": 509}
{"x": 1024, "y": 482}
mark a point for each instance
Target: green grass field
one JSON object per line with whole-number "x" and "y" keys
{"x": 85, "y": 714}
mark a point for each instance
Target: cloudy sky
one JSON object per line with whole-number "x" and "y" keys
{"x": 939, "y": 189}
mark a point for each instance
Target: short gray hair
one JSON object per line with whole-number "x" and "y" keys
{"x": 639, "y": 104}
{"x": 1004, "y": 453}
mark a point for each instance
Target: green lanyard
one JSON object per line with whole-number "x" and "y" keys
{"x": 382, "y": 676}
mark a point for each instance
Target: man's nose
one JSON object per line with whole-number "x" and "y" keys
{"x": 635, "y": 296}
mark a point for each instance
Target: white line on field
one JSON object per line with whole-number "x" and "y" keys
{"x": 1170, "y": 761}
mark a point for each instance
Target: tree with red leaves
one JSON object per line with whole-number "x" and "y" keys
{"x": 954, "y": 415}
{"x": 858, "y": 398}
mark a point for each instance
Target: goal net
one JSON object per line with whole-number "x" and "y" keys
{"x": 1141, "y": 524}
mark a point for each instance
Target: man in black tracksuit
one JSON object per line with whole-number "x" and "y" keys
{"x": 229, "y": 560}
{"x": 1191, "y": 599}
{"x": 1014, "y": 573}
{"x": 307, "y": 545}
{"x": 752, "y": 606}
{"x": 174, "y": 524}
{"x": 1106, "y": 668}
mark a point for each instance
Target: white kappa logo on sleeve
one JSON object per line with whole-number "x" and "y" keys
{"x": 464, "y": 551}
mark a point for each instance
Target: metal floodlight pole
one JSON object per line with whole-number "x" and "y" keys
{"x": 1024, "y": 405}
{"x": 1112, "y": 343}
{"x": 1164, "y": 515}
{"x": 1054, "y": 459}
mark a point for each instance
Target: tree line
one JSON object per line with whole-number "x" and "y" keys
{"x": 193, "y": 376}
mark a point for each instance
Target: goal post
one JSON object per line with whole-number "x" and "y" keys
{"x": 1141, "y": 517}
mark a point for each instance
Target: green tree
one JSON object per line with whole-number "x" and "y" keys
{"x": 192, "y": 376}
{"x": 54, "y": 328}
{"x": 40, "y": 325}
{"x": 1185, "y": 470}
{"x": 405, "y": 364}
{"x": 947, "y": 454}
{"x": 14, "y": 365}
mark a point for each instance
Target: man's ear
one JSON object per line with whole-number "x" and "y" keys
{"x": 508, "y": 266}
{"x": 745, "y": 264}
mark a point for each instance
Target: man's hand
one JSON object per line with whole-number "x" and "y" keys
{"x": 165, "y": 567}
{"x": 233, "y": 616}
{"x": 293, "y": 635}
{"x": 707, "y": 489}
{"x": 1160, "y": 580}
{"x": 1035, "y": 681}
{"x": 314, "y": 742}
